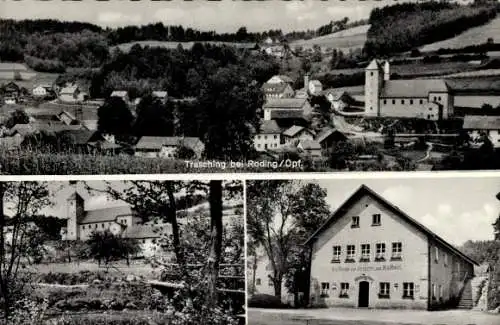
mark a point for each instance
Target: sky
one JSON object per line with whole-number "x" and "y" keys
{"x": 457, "y": 209}
{"x": 221, "y": 16}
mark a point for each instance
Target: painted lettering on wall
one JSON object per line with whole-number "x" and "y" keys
{"x": 385, "y": 267}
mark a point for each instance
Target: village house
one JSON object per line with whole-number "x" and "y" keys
{"x": 67, "y": 118}
{"x": 70, "y": 94}
{"x": 42, "y": 90}
{"x": 123, "y": 94}
{"x": 478, "y": 126}
{"x": 310, "y": 148}
{"x": 277, "y": 90}
{"x": 280, "y": 79}
{"x": 269, "y": 136}
{"x": 296, "y": 133}
{"x": 371, "y": 254}
{"x": 167, "y": 147}
{"x": 289, "y": 108}
{"x": 161, "y": 95}
{"x": 328, "y": 137}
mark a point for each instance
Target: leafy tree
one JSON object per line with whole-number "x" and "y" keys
{"x": 184, "y": 152}
{"x": 230, "y": 93}
{"x": 114, "y": 117}
{"x": 280, "y": 216}
{"x": 18, "y": 116}
{"x": 23, "y": 199}
{"x": 154, "y": 118}
{"x": 105, "y": 246}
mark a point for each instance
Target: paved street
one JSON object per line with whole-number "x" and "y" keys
{"x": 348, "y": 316}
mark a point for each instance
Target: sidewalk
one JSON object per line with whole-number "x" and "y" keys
{"x": 370, "y": 316}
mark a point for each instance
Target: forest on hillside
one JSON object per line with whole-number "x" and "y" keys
{"x": 405, "y": 26}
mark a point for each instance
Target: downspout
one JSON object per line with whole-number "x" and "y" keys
{"x": 429, "y": 286}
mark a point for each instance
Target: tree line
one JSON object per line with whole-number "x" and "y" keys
{"x": 402, "y": 27}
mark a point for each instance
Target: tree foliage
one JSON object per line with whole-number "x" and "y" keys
{"x": 114, "y": 117}
{"x": 106, "y": 246}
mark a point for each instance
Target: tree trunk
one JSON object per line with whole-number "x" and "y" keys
{"x": 4, "y": 277}
{"x": 277, "y": 279}
{"x": 215, "y": 242}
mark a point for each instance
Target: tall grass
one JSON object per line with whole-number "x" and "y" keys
{"x": 39, "y": 162}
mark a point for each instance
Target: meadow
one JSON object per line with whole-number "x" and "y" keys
{"x": 351, "y": 38}
{"x": 473, "y": 36}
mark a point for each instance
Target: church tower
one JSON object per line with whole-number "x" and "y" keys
{"x": 387, "y": 71}
{"x": 374, "y": 80}
{"x": 74, "y": 214}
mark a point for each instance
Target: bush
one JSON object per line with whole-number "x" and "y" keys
{"x": 265, "y": 301}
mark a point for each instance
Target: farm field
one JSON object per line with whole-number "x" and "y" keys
{"x": 352, "y": 38}
{"x": 473, "y": 36}
{"x": 418, "y": 69}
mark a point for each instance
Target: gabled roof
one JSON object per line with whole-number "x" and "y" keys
{"x": 286, "y": 103}
{"x": 79, "y": 137}
{"x": 293, "y": 130}
{"x": 287, "y": 114}
{"x": 159, "y": 94}
{"x": 158, "y": 142}
{"x": 309, "y": 145}
{"x": 274, "y": 88}
{"x": 365, "y": 190}
{"x": 106, "y": 214}
{"x": 283, "y": 78}
{"x": 119, "y": 93}
{"x": 48, "y": 126}
{"x": 269, "y": 127}
{"x": 413, "y": 88}
{"x": 326, "y": 133}
{"x": 69, "y": 90}
{"x": 476, "y": 122}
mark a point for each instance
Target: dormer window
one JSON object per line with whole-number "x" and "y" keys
{"x": 355, "y": 222}
{"x": 376, "y": 219}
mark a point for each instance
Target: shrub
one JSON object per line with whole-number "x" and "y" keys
{"x": 265, "y": 301}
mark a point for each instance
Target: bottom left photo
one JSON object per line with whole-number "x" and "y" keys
{"x": 122, "y": 252}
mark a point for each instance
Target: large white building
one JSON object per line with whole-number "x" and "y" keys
{"x": 415, "y": 98}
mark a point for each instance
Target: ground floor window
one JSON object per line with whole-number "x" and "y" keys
{"x": 344, "y": 290}
{"x": 408, "y": 290}
{"x": 257, "y": 282}
{"x": 384, "y": 291}
{"x": 325, "y": 287}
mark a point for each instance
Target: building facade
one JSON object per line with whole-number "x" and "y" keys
{"x": 371, "y": 254}
{"x": 416, "y": 98}
{"x": 120, "y": 220}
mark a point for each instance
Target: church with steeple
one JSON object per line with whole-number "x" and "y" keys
{"x": 413, "y": 98}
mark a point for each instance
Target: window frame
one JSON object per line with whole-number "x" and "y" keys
{"x": 384, "y": 290}
{"x": 397, "y": 251}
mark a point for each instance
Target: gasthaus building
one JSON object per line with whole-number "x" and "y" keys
{"x": 372, "y": 254}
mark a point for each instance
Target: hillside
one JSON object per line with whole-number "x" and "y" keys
{"x": 403, "y": 27}
{"x": 473, "y": 36}
{"x": 350, "y": 38}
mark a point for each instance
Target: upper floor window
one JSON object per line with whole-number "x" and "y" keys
{"x": 393, "y": 102}
{"x": 421, "y": 101}
{"x": 380, "y": 250}
{"x": 355, "y": 222}
{"x": 411, "y": 101}
{"x": 376, "y": 219}
{"x": 336, "y": 253}
{"x": 397, "y": 249}
{"x": 365, "y": 252}
{"x": 351, "y": 252}
{"x": 402, "y": 101}
{"x": 385, "y": 101}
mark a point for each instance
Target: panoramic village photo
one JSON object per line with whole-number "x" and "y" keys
{"x": 122, "y": 253}
{"x": 374, "y": 251}
{"x": 98, "y": 87}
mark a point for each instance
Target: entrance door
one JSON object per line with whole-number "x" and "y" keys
{"x": 364, "y": 293}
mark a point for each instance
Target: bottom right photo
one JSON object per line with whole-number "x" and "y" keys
{"x": 371, "y": 251}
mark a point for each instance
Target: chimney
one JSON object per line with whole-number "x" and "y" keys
{"x": 306, "y": 81}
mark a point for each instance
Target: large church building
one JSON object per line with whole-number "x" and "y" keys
{"x": 414, "y": 98}
{"x": 372, "y": 254}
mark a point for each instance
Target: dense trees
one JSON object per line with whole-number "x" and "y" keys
{"x": 154, "y": 118}
{"x": 402, "y": 27}
{"x": 115, "y": 117}
{"x": 106, "y": 246}
{"x": 281, "y": 216}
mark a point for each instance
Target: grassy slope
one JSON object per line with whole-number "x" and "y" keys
{"x": 473, "y": 36}
{"x": 350, "y": 38}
